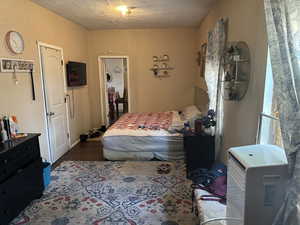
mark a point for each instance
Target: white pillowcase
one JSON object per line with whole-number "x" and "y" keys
{"x": 190, "y": 114}
{"x": 177, "y": 122}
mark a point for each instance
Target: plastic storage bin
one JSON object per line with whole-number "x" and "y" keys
{"x": 46, "y": 174}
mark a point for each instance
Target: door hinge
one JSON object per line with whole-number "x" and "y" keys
{"x": 62, "y": 62}
{"x": 65, "y": 99}
{"x": 68, "y": 135}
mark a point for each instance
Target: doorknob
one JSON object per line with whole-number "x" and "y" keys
{"x": 50, "y": 114}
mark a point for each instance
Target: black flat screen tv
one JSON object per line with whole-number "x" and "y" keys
{"x": 76, "y": 74}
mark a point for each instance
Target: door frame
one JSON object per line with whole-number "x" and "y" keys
{"x": 44, "y": 96}
{"x": 102, "y": 79}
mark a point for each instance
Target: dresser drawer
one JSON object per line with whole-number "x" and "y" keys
{"x": 19, "y": 190}
{"x": 18, "y": 157}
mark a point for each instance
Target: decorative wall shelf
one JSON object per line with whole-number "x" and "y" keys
{"x": 161, "y": 66}
{"x": 162, "y": 69}
{"x": 237, "y": 68}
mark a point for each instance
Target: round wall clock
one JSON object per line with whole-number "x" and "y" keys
{"x": 15, "y": 42}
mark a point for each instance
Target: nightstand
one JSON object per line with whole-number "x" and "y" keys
{"x": 199, "y": 152}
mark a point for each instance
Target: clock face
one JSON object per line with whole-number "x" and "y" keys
{"x": 15, "y": 42}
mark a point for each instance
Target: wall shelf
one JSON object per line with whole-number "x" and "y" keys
{"x": 236, "y": 61}
{"x": 162, "y": 69}
{"x": 161, "y": 66}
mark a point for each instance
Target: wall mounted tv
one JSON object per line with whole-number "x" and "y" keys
{"x": 76, "y": 74}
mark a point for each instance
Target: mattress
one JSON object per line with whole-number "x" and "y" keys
{"x": 144, "y": 136}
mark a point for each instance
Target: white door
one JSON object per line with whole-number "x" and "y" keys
{"x": 54, "y": 87}
{"x": 117, "y": 68}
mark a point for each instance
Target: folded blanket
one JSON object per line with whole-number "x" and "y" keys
{"x": 147, "y": 121}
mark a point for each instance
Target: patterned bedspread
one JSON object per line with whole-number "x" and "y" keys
{"x": 145, "y": 121}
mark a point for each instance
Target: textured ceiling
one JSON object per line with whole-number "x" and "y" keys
{"x": 101, "y": 14}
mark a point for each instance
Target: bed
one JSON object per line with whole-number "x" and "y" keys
{"x": 149, "y": 135}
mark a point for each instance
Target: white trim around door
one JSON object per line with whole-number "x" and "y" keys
{"x": 40, "y": 45}
{"x": 102, "y": 80}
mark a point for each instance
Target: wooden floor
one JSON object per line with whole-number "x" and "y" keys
{"x": 84, "y": 151}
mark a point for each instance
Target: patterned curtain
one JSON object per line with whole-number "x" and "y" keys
{"x": 283, "y": 26}
{"x": 213, "y": 76}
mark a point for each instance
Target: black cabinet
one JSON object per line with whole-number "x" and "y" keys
{"x": 21, "y": 176}
{"x": 200, "y": 152}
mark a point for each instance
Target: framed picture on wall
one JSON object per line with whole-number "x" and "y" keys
{"x": 202, "y": 59}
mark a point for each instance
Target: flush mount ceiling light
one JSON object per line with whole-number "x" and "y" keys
{"x": 125, "y": 10}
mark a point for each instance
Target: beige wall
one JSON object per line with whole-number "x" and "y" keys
{"x": 246, "y": 23}
{"x": 148, "y": 92}
{"x": 36, "y": 23}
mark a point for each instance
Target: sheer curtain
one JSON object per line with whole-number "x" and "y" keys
{"x": 213, "y": 76}
{"x": 283, "y": 26}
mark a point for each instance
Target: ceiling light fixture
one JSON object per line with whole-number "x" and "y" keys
{"x": 125, "y": 10}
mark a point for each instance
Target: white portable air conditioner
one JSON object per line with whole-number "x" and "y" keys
{"x": 257, "y": 176}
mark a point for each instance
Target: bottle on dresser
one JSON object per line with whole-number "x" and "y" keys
{"x": 3, "y": 133}
{"x": 13, "y": 123}
{"x": 8, "y": 128}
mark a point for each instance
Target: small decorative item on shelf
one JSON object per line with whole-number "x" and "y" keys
{"x": 165, "y": 58}
{"x": 155, "y": 69}
{"x": 236, "y": 60}
{"x": 164, "y": 66}
{"x": 161, "y": 66}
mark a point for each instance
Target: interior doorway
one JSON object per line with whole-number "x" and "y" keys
{"x": 56, "y": 111}
{"x": 114, "y": 87}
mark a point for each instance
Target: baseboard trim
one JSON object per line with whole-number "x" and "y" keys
{"x": 75, "y": 143}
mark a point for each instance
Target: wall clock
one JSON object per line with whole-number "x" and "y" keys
{"x": 15, "y": 42}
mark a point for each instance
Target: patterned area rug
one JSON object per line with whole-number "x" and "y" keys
{"x": 114, "y": 193}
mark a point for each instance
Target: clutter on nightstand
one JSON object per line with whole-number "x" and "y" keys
{"x": 206, "y": 123}
{"x": 199, "y": 143}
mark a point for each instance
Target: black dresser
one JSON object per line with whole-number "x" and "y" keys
{"x": 21, "y": 176}
{"x": 199, "y": 152}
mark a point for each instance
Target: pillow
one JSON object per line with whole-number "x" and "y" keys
{"x": 177, "y": 122}
{"x": 190, "y": 114}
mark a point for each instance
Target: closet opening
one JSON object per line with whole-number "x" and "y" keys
{"x": 114, "y": 87}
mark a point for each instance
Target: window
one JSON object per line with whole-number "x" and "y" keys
{"x": 269, "y": 128}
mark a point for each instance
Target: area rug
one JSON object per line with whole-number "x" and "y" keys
{"x": 114, "y": 193}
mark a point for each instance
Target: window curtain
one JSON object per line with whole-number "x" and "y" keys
{"x": 283, "y": 26}
{"x": 213, "y": 76}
